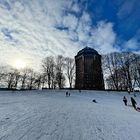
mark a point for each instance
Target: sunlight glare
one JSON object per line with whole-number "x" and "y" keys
{"x": 20, "y": 64}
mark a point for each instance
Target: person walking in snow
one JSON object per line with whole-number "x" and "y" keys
{"x": 133, "y": 102}
{"x": 125, "y": 100}
{"x": 135, "y": 95}
{"x": 66, "y": 94}
{"x": 128, "y": 90}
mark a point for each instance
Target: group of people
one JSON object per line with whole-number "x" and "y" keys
{"x": 67, "y": 94}
{"x": 134, "y": 103}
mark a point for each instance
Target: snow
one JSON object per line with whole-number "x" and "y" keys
{"x": 50, "y": 115}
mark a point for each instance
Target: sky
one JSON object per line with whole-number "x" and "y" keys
{"x": 31, "y": 30}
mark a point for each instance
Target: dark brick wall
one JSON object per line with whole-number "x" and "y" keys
{"x": 89, "y": 72}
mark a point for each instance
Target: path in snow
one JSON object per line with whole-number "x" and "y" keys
{"x": 38, "y": 115}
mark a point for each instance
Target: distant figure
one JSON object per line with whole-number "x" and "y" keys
{"x": 79, "y": 91}
{"x": 135, "y": 95}
{"x": 125, "y": 100}
{"x": 66, "y": 94}
{"x": 94, "y": 101}
{"x": 133, "y": 102}
{"x": 128, "y": 90}
{"x": 69, "y": 93}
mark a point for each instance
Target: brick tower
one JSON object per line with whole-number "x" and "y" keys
{"x": 88, "y": 70}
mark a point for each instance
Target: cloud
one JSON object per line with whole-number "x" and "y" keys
{"x": 132, "y": 44}
{"x": 37, "y": 28}
{"x": 104, "y": 37}
{"x": 127, "y": 8}
{"x": 75, "y": 8}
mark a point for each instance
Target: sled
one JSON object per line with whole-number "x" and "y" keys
{"x": 138, "y": 109}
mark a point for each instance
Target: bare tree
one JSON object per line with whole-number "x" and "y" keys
{"x": 31, "y": 79}
{"x": 60, "y": 78}
{"x": 38, "y": 80}
{"x": 24, "y": 75}
{"x": 135, "y": 70}
{"x": 3, "y": 75}
{"x": 16, "y": 79}
{"x": 110, "y": 66}
{"x": 11, "y": 78}
{"x": 70, "y": 70}
{"x": 44, "y": 79}
{"x": 49, "y": 70}
{"x": 123, "y": 70}
{"x": 125, "y": 60}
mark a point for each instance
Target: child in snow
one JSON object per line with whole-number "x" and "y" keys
{"x": 125, "y": 100}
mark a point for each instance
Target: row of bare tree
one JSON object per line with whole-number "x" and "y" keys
{"x": 122, "y": 70}
{"x": 54, "y": 73}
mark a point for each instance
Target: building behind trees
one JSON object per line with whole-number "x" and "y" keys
{"x": 88, "y": 70}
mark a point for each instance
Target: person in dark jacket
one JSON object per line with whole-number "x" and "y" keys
{"x": 125, "y": 100}
{"x": 66, "y": 94}
{"x": 133, "y": 102}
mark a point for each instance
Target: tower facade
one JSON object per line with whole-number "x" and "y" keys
{"x": 88, "y": 70}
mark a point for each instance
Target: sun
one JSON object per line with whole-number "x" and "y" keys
{"x": 20, "y": 64}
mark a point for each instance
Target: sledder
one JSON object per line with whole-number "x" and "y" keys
{"x": 134, "y": 103}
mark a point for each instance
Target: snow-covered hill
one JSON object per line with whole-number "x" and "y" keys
{"x": 50, "y": 115}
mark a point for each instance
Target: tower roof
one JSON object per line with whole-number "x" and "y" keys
{"x": 87, "y": 51}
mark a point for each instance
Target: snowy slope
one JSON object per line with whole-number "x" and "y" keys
{"x": 49, "y": 115}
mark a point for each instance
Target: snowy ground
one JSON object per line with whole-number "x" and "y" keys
{"x": 46, "y": 115}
